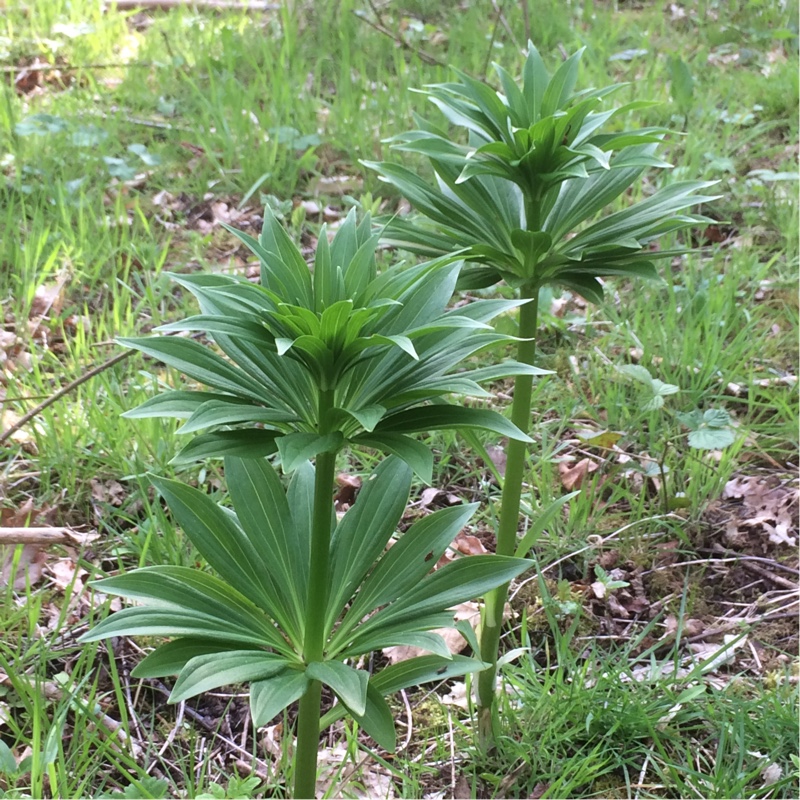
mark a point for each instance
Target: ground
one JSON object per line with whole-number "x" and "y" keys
{"x": 659, "y": 637}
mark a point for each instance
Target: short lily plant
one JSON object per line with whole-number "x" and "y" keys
{"x": 524, "y": 177}
{"x": 306, "y": 364}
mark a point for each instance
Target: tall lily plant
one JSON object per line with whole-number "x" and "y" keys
{"x": 522, "y": 188}
{"x": 304, "y": 366}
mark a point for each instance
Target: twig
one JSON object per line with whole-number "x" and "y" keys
{"x": 453, "y": 778}
{"x": 212, "y": 729}
{"x": 737, "y": 624}
{"x": 73, "y": 68}
{"x": 34, "y": 412}
{"x": 718, "y": 548}
{"x": 195, "y": 5}
{"x": 526, "y": 17}
{"x": 409, "y": 732}
{"x": 134, "y": 717}
{"x": 112, "y": 727}
{"x": 148, "y": 123}
{"x": 45, "y": 536}
{"x": 597, "y": 541}
{"x": 421, "y": 54}
{"x": 175, "y": 728}
{"x": 509, "y": 31}
{"x": 491, "y": 44}
{"x": 765, "y": 573}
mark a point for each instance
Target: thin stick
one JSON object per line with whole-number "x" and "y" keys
{"x": 491, "y": 44}
{"x": 526, "y": 17}
{"x": 511, "y": 34}
{"x": 410, "y": 718}
{"x": 73, "y": 68}
{"x": 44, "y": 536}
{"x": 195, "y": 5}
{"x": 34, "y": 412}
{"x": 421, "y": 54}
{"x": 718, "y": 548}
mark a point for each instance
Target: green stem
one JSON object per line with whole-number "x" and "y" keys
{"x": 509, "y": 511}
{"x": 305, "y": 766}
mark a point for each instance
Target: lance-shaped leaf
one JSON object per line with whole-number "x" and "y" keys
{"x": 178, "y": 602}
{"x": 283, "y": 550}
{"x": 364, "y": 531}
{"x": 207, "y": 672}
{"x": 405, "y": 564}
{"x": 240, "y": 555}
{"x": 444, "y": 416}
{"x": 172, "y": 657}
{"x": 269, "y": 697}
{"x": 454, "y": 583}
{"x": 349, "y": 684}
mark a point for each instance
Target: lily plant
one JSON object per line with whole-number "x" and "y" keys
{"x": 522, "y": 189}
{"x": 304, "y": 365}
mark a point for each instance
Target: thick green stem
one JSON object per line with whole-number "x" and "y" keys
{"x": 509, "y": 511}
{"x": 305, "y": 766}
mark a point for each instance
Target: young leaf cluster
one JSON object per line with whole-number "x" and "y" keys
{"x": 384, "y": 347}
{"x": 523, "y": 196}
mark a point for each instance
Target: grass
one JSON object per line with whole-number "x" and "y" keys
{"x": 116, "y": 186}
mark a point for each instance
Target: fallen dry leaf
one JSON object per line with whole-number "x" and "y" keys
{"x": 453, "y": 639}
{"x": 468, "y": 545}
{"x": 438, "y": 498}
{"x": 29, "y": 567}
{"x": 111, "y": 492}
{"x": 65, "y": 572}
{"x": 497, "y": 455}
{"x": 767, "y": 503}
{"x": 348, "y": 488}
{"x": 691, "y": 627}
{"x": 573, "y": 477}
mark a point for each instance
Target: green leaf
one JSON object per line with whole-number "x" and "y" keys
{"x": 239, "y": 558}
{"x": 172, "y": 657}
{"x": 290, "y": 268}
{"x": 248, "y": 443}
{"x": 8, "y": 764}
{"x": 681, "y": 83}
{"x": 349, "y": 684}
{"x": 180, "y": 404}
{"x": 362, "y": 534}
{"x": 660, "y": 390}
{"x": 211, "y": 671}
{"x": 218, "y": 412}
{"x": 269, "y": 697}
{"x": 532, "y": 245}
{"x": 423, "y": 669}
{"x": 300, "y": 496}
{"x": 412, "y": 557}
{"x": 444, "y": 416}
{"x": 368, "y": 416}
{"x": 562, "y": 84}
{"x": 169, "y": 622}
{"x": 414, "y": 453}
{"x": 283, "y": 550}
{"x": 199, "y": 363}
{"x": 637, "y": 372}
{"x": 455, "y": 583}
{"x": 377, "y": 720}
{"x": 535, "y": 80}
{"x": 709, "y": 430}
{"x": 246, "y": 327}
{"x": 178, "y": 592}
{"x": 297, "y": 448}
{"x": 424, "y": 640}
